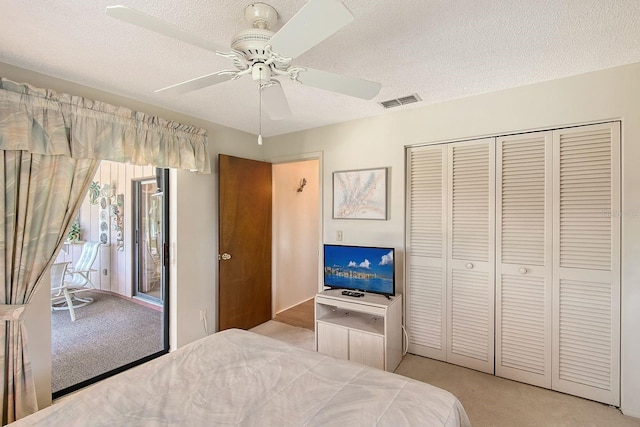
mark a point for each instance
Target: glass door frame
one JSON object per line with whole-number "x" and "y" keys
{"x": 161, "y": 178}
{"x": 141, "y": 232}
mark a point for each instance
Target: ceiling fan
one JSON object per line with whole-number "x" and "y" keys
{"x": 265, "y": 55}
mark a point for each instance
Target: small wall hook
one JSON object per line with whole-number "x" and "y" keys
{"x": 303, "y": 182}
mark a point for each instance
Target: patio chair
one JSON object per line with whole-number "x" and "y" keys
{"x": 73, "y": 280}
{"x": 78, "y": 276}
{"x": 60, "y": 295}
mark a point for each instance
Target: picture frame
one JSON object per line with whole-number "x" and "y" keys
{"x": 360, "y": 194}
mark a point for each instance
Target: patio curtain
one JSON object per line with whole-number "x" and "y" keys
{"x": 50, "y": 147}
{"x": 39, "y": 196}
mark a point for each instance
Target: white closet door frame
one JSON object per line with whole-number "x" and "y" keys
{"x": 524, "y": 284}
{"x": 586, "y": 359}
{"x": 426, "y": 278}
{"x": 470, "y": 282}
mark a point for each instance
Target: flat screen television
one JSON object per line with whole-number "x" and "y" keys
{"x": 360, "y": 268}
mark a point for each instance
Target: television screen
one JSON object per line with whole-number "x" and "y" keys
{"x": 359, "y": 268}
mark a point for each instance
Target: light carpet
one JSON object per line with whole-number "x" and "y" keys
{"x": 294, "y": 335}
{"x": 107, "y": 334}
{"x": 489, "y": 400}
{"x": 495, "y": 402}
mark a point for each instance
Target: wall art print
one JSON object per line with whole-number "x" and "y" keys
{"x": 360, "y": 194}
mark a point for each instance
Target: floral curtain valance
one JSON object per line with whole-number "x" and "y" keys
{"x": 42, "y": 121}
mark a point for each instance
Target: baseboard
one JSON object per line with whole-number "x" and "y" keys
{"x": 134, "y": 300}
{"x": 293, "y": 305}
{"x": 630, "y": 413}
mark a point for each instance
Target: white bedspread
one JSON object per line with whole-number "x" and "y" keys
{"x": 237, "y": 377}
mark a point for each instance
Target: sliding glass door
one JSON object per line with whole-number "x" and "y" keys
{"x": 115, "y": 332}
{"x": 149, "y": 238}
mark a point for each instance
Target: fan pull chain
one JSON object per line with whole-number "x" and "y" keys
{"x": 260, "y": 109}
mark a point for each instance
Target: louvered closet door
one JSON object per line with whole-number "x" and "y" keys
{"x": 471, "y": 254}
{"x": 524, "y": 257}
{"x": 426, "y": 250}
{"x": 586, "y": 277}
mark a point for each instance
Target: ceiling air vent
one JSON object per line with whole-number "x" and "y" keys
{"x": 401, "y": 101}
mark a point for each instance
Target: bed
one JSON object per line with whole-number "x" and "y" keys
{"x": 237, "y": 377}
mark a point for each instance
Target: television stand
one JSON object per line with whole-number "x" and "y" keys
{"x": 367, "y": 329}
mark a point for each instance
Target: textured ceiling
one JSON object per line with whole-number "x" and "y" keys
{"x": 437, "y": 49}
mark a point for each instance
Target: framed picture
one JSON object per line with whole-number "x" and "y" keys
{"x": 360, "y": 194}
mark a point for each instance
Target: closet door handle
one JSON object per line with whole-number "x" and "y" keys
{"x": 469, "y": 266}
{"x": 523, "y": 270}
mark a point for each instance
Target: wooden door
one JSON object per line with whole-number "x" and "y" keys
{"x": 244, "y": 293}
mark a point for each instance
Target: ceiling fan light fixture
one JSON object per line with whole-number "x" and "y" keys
{"x": 260, "y": 73}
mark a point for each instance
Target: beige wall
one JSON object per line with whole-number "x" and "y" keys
{"x": 295, "y": 233}
{"x": 380, "y": 141}
{"x": 194, "y": 237}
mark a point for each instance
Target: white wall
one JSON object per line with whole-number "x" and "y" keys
{"x": 37, "y": 315}
{"x": 380, "y": 141}
{"x": 295, "y": 233}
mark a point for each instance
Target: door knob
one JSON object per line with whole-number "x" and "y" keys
{"x": 225, "y": 256}
{"x": 523, "y": 270}
{"x": 469, "y": 266}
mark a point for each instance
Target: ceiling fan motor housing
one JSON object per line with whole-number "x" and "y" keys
{"x": 251, "y": 43}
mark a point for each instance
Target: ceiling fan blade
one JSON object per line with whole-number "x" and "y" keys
{"x": 275, "y": 101}
{"x": 197, "y": 83}
{"x": 317, "y": 20}
{"x": 346, "y": 85}
{"x": 159, "y": 26}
